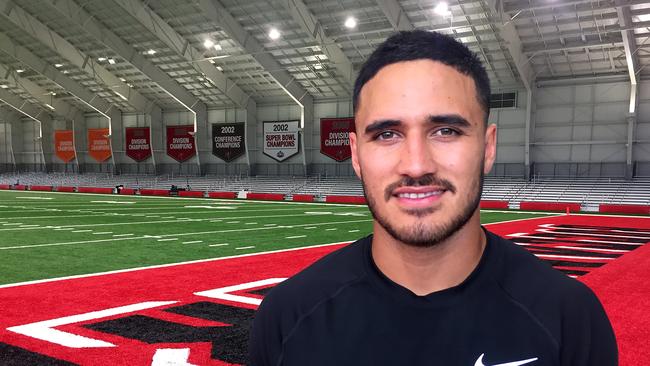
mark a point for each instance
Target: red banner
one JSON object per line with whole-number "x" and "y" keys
{"x": 180, "y": 142}
{"x": 335, "y": 137}
{"x": 99, "y": 145}
{"x": 138, "y": 143}
{"x": 64, "y": 145}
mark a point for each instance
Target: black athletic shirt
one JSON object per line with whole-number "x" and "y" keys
{"x": 512, "y": 310}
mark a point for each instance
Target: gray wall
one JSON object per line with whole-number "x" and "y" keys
{"x": 577, "y": 130}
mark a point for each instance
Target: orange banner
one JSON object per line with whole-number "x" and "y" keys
{"x": 99, "y": 145}
{"x": 64, "y": 145}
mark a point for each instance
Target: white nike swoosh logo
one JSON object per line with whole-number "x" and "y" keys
{"x": 479, "y": 362}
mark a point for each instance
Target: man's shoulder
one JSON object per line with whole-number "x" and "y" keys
{"x": 523, "y": 273}
{"x": 320, "y": 280}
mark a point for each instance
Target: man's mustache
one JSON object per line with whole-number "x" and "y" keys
{"x": 425, "y": 180}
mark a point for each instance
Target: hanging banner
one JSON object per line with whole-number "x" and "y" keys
{"x": 64, "y": 145}
{"x": 180, "y": 142}
{"x": 228, "y": 140}
{"x": 335, "y": 137}
{"x": 99, "y": 145}
{"x": 138, "y": 143}
{"x": 281, "y": 139}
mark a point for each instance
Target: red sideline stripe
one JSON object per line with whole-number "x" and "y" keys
{"x": 222, "y": 195}
{"x": 190, "y": 194}
{"x": 303, "y": 198}
{"x": 40, "y": 188}
{"x": 127, "y": 191}
{"x": 20, "y": 187}
{"x": 5, "y": 186}
{"x": 64, "y": 189}
{"x": 265, "y": 196}
{"x": 95, "y": 190}
{"x": 623, "y": 289}
{"x": 550, "y": 206}
{"x": 494, "y": 204}
{"x": 634, "y": 209}
{"x": 39, "y": 302}
{"x": 154, "y": 192}
{"x": 346, "y": 199}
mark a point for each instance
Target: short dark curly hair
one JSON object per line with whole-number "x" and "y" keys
{"x": 419, "y": 45}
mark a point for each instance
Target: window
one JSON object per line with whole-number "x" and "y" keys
{"x": 503, "y": 100}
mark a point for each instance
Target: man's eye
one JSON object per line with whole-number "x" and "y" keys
{"x": 386, "y": 135}
{"x": 447, "y": 132}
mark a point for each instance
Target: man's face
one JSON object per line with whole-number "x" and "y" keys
{"x": 421, "y": 150}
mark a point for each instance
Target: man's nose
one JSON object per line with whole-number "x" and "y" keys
{"x": 416, "y": 158}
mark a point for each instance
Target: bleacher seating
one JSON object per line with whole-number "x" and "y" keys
{"x": 585, "y": 191}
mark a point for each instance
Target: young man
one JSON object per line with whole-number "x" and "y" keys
{"x": 430, "y": 286}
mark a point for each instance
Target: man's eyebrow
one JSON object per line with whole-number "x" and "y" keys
{"x": 381, "y": 124}
{"x": 450, "y": 119}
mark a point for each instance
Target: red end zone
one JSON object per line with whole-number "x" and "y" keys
{"x": 199, "y": 313}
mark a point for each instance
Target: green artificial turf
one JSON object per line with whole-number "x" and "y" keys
{"x": 45, "y": 235}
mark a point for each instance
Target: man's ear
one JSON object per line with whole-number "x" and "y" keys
{"x": 355, "y": 154}
{"x": 490, "y": 147}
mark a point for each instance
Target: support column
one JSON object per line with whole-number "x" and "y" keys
{"x": 80, "y": 141}
{"x": 307, "y": 126}
{"x": 47, "y": 144}
{"x": 251, "y": 128}
{"x": 200, "y": 119}
{"x": 629, "y": 146}
{"x": 529, "y": 135}
{"x": 155, "y": 129}
{"x": 17, "y": 145}
{"x": 116, "y": 131}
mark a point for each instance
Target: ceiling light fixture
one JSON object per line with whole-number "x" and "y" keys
{"x": 350, "y": 22}
{"x": 208, "y": 43}
{"x": 274, "y": 34}
{"x": 3, "y": 86}
{"x": 111, "y": 61}
{"x": 151, "y": 52}
{"x": 20, "y": 71}
{"x": 442, "y": 9}
{"x": 219, "y": 68}
{"x": 101, "y": 59}
{"x": 217, "y": 47}
{"x": 58, "y": 65}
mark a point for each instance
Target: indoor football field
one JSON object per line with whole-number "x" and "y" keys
{"x": 56, "y": 234}
{"x": 158, "y": 281}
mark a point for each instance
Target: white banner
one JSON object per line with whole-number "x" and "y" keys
{"x": 281, "y": 139}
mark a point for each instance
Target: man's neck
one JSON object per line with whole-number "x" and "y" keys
{"x": 427, "y": 270}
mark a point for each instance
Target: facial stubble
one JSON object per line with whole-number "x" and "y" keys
{"x": 425, "y": 234}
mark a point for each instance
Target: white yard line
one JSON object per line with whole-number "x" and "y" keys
{"x": 218, "y": 245}
{"x": 295, "y": 236}
{"x": 248, "y": 247}
{"x": 66, "y": 243}
{"x": 168, "y": 239}
{"x": 193, "y": 242}
{"x": 81, "y": 231}
{"x": 103, "y": 233}
{"x": 26, "y": 246}
{"x": 171, "y": 264}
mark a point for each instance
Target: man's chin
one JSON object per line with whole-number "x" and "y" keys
{"x": 420, "y": 212}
